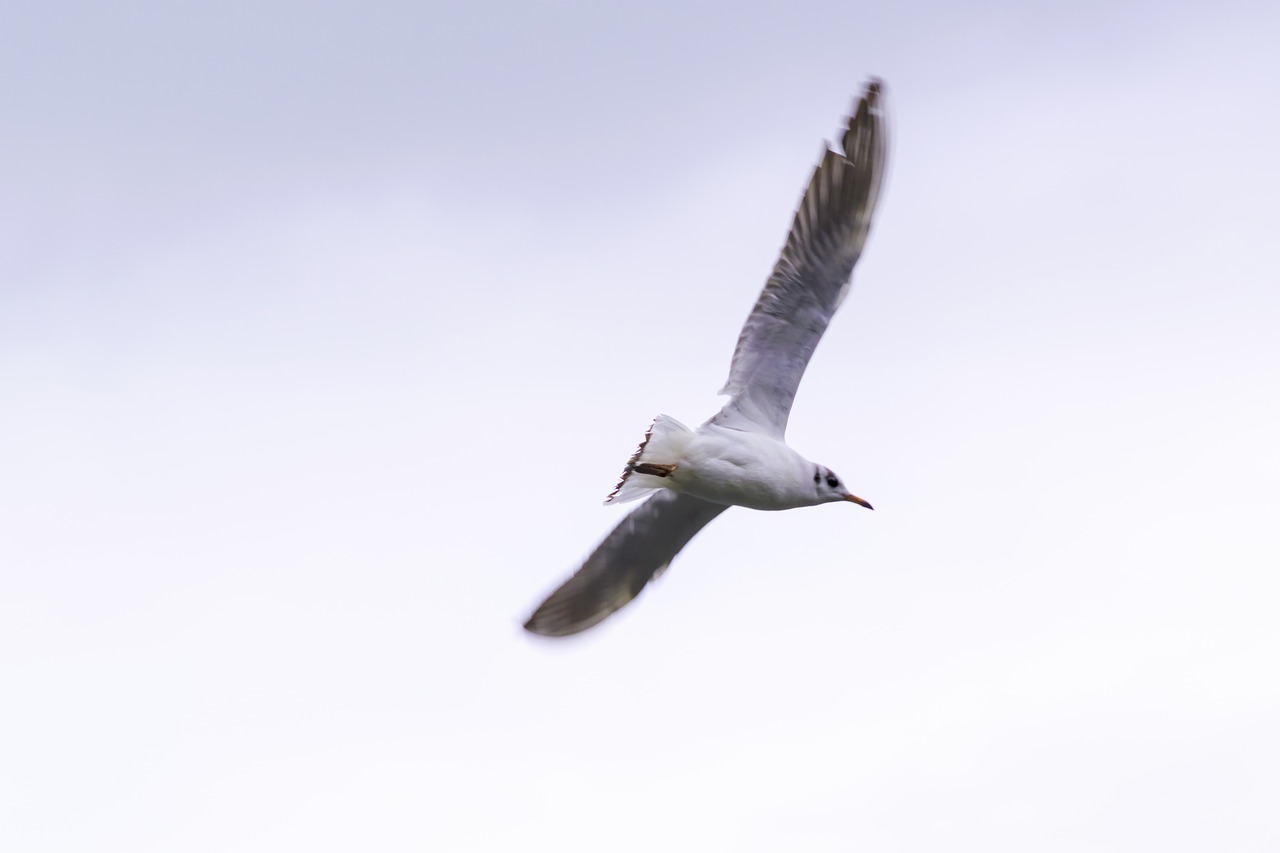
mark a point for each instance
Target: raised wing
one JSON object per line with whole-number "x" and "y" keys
{"x": 811, "y": 277}
{"x": 629, "y": 557}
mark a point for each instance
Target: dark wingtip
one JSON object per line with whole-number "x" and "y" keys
{"x": 871, "y": 94}
{"x": 555, "y": 631}
{"x": 544, "y": 627}
{"x": 874, "y": 90}
{"x": 545, "y": 630}
{"x": 563, "y": 615}
{"x": 867, "y": 114}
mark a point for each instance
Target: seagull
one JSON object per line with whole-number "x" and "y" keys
{"x": 739, "y": 457}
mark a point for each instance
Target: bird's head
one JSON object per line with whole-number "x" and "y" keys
{"x": 829, "y": 488}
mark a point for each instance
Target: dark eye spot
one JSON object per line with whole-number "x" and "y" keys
{"x": 816, "y": 476}
{"x": 832, "y": 482}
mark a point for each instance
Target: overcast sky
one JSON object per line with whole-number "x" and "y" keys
{"x": 325, "y": 329}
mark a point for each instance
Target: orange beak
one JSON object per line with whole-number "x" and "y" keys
{"x": 859, "y": 501}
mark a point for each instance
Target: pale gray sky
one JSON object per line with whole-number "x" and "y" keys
{"x": 324, "y": 330}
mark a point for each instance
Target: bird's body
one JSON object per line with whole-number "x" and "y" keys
{"x": 725, "y": 466}
{"x": 739, "y": 457}
{"x": 748, "y": 469}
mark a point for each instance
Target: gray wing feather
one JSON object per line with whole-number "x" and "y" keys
{"x": 631, "y": 555}
{"x": 811, "y": 277}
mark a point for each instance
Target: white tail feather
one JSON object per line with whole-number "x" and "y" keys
{"x": 663, "y": 444}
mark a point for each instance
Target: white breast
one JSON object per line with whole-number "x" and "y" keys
{"x": 744, "y": 469}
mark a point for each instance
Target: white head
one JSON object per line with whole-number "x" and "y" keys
{"x": 829, "y": 488}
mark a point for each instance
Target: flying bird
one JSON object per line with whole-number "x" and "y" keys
{"x": 739, "y": 457}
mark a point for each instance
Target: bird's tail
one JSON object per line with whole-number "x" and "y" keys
{"x": 655, "y": 459}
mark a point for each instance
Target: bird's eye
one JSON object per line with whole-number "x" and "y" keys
{"x": 832, "y": 482}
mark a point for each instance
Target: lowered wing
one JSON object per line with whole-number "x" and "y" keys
{"x": 639, "y": 548}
